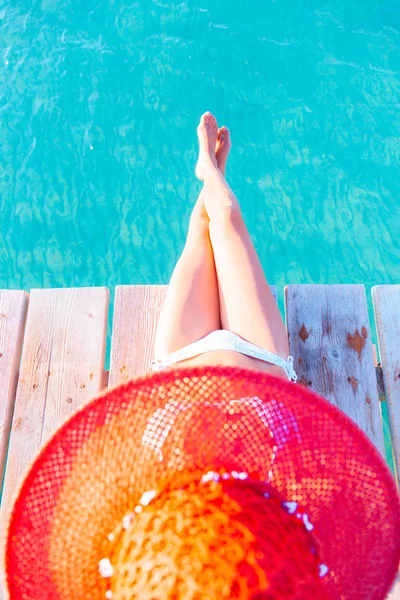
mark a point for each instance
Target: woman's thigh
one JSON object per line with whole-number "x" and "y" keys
{"x": 247, "y": 305}
{"x": 191, "y": 307}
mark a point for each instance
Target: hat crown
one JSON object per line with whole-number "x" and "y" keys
{"x": 215, "y": 534}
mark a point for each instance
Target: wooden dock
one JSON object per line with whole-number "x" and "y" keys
{"x": 53, "y": 343}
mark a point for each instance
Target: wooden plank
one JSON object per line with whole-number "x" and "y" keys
{"x": 394, "y": 593}
{"x": 323, "y": 322}
{"x": 386, "y": 302}
{"x": 13, "y": 309}
{"x": 329, "y": 337}
{"x": 62, "y": 366}
{"x": 136, "y": 312}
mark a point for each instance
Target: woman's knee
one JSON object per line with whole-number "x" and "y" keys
{"x": 228, "y": 216}
{"x": 198, "y": 239}
{"x": 198, "y": 224}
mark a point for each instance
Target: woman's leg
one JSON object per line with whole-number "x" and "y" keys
{"x": 191, "y": 307}
{"x": 247, "y": 306}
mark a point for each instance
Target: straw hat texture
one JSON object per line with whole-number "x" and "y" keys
{"x": 205, "y": 483}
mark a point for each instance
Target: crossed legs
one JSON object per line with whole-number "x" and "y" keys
{"x": 218, "y": 282}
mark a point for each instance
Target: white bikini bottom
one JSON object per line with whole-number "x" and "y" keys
{"x": 223, "y": 339}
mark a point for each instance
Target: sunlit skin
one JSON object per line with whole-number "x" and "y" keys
{"x": 218, "y": 281}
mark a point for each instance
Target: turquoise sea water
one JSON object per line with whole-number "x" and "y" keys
{"x": 98, "y": 107}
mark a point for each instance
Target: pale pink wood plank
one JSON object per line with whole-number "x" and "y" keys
{"x": 394, "y": 593}
{"x": 62, "y": 366}
{"x": 136, "y": 312}
{"x": 13, "y": 309}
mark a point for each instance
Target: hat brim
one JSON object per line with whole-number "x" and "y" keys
{"x": 132, "y": 437}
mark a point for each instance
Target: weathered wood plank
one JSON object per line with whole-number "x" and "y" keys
{"x": 136, "y": 312}
{"x": 323, "y": 322}
{"x": 386, "y": 302}
{"x": 61, "y": 367}
{"x": 329, "y": 337}
{"x": 13, "y": 309}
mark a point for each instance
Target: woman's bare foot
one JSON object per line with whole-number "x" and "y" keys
{"x": 207, "y": 132}
{"x": 222, "y": 148}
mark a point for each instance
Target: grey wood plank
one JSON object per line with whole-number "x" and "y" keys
{"x": 386, "y": 302}
{"x": 329, "y": 337}
{"x": 13, "y": 309}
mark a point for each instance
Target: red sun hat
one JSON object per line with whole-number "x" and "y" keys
{"x": 205, "y": 483}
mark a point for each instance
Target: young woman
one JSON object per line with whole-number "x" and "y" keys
{"x": 219, "y": 308}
